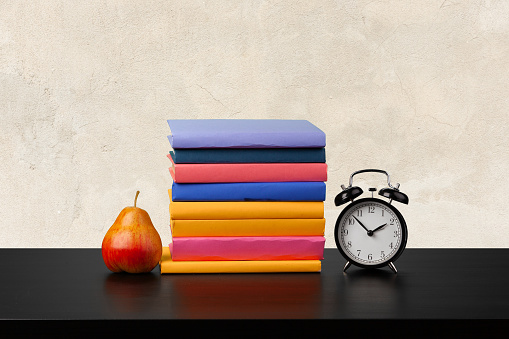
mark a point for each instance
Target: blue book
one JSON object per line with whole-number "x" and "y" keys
{"x": 250, "y": 191}
{"x": 244, "y": 133}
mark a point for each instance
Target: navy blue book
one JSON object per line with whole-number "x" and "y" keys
{"x": 247, "y": 155}
{"x": 250, "y": 191}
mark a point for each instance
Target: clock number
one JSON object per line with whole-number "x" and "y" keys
{"x": 370, "y": 256}
{"x": 351, "y": 221}
{"x": 359, "y": 213}
{"x": 349, "y": 244}
{"x": 392, "y": 221}
{"x": 391, "y": 245}
{"x": 345, "y": 231}
{"x": 382, "y": 254}
{"x": 395, "y": 234}
{"x": 358, "y": 253}
{"x": 382, "y": 212}
{"x": 371, "y": 209}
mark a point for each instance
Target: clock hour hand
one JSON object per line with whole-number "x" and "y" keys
{"x": 360, "y": 223}
{"x": 379, "y": 227}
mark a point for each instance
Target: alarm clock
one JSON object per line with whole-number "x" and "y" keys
{"x": 370, "y": 232}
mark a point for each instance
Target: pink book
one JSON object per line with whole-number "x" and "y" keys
{"x": 247, "y": 248}
{"x": 248, "y": 172}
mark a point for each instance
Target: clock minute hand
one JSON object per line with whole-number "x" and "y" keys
{"x": 360, "y": 223}
{"x": 379, "y": 227}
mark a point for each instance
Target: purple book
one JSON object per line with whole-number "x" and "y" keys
{"x": 244, "y": 133}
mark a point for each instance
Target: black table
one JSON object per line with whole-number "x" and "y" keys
{"x": 461, "y": 289}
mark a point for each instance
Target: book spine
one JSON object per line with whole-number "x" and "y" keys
{"x": 202, "y": 210}
{"x": 167, "y": 265}
{"x": 247, "y": 227}
{"x": 253, "y": 155}
{"x": 249, "y": 191}
{"x": 280, "y": 139}
{"x": 247, "y": 248}
{"x": 251, "y": 133}
{"x": 249, "y": 172}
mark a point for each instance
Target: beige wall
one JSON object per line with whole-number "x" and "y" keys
{"x": 418, "y": 88}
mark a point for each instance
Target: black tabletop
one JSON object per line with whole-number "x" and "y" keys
{"x": 431, "y": 284}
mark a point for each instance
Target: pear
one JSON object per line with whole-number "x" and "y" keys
{"x": 132, "y": 243}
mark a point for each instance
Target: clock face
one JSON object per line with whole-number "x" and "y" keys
{"x": 370, "y": 233}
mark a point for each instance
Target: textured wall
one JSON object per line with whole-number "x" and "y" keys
{"x": 418, "y": 88}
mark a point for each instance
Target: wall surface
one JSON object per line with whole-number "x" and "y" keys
{"x": 417, "y": 88}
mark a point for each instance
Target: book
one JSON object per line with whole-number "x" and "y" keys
{"x": 247, "y": 248}
{"x": 204, "y": 210}
{"x": 246, "y": 155}
{"x": 167, "y": 265}
{"x": 250, "y": 191}
{"x": 246, "y": 227}
{"x": 248, "y": 172}
{"x": 244, "y": 133}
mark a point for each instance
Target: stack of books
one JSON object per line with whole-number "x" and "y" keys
{"x": 247, "y": 196}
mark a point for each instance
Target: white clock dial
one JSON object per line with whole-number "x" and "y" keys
{"x": 370, "y": 233}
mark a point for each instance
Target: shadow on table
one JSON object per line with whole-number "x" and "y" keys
{"x": 371, "y": 293}
{"x": 131, "y": 293}
{"x": 245, "y": 296}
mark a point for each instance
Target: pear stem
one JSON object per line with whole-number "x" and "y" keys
{"x": 136, "y": 198}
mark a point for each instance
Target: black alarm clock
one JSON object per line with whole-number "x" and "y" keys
{"x": 370, "y": 232}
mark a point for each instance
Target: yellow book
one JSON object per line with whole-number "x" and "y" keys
{"x": 247, "y": 227}
{"x": 240, "y": 266}
{"x": 203, "y": 210}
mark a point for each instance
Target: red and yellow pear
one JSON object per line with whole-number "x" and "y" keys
{"x": 132, "y": 243}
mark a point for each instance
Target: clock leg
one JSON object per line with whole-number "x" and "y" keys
{"x": 392, "y": 267}
{"x": 346, "y": 266}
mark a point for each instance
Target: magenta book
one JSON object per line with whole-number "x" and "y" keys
{"x": 247, "y": 248}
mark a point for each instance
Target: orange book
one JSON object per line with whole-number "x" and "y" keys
{"x": 167, "y": 265}
{"x": 246, "y": 227}
{"x": 200, "y": 210}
